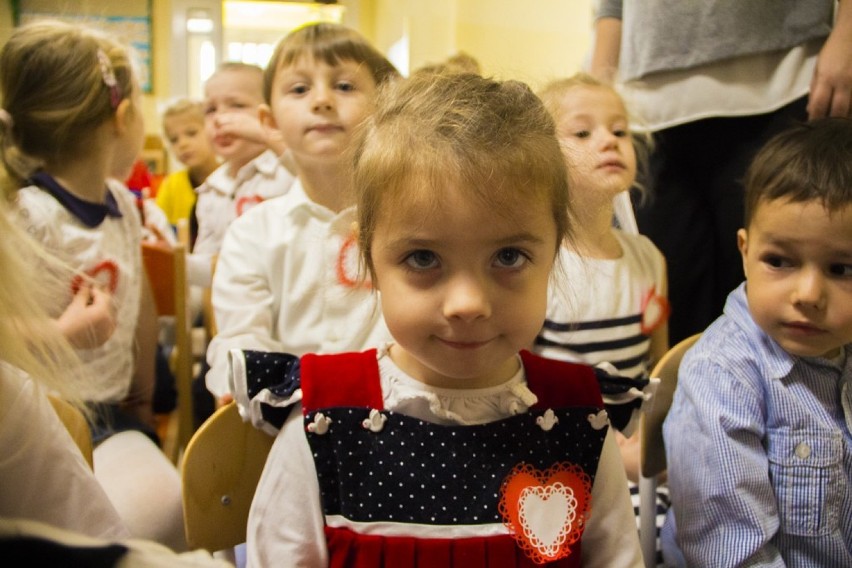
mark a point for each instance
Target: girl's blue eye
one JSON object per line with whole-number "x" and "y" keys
{"x": 345, "y": 86}
{"x": 510, "y": 258}
{"x": 620, "y": 133}
{"x": 582, "y": 134}
{"x": 421, "y": 260}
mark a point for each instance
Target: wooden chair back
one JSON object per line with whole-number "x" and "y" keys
{"x": 652, "y": 453}
{"x": 166, "y": 269}
{"x": 220, "y": 472}
{"x": 76, "y": 425}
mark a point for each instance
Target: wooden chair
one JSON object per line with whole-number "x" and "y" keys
{"x": 652, "y": 456}
{"x": 221, "y": 468}
{"x": 166, "y": 268}
{"x": 76, "y": 425}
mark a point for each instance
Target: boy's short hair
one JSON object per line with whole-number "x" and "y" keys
{"x": 810, "y": 161}
{"x": 238, "y": 67}
{"x": 330, "y": 43}
{"x": 182, "y": 107}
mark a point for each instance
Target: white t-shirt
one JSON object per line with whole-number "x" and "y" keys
{"x": 111, "y": 252}
{"x": 599, "y": 310}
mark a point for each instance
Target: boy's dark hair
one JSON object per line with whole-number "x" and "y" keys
{"x": 810, "y": 161}
{"x": 329, "y": 43}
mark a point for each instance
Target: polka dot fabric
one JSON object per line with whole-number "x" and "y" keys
{"x": 417, "y": 472}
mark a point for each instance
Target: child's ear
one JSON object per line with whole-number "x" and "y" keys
{"x": 274, "y": 137}
{"x": 122, "y": 114}
{"x": 742, "y": 244}
{"x": 267, "y": 119}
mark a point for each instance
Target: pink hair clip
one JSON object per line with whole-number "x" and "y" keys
{"x": 109, "y": 79}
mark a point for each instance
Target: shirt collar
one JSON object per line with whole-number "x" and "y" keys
{"x": 777, "y": 362}
{"x": 90, "y": 214}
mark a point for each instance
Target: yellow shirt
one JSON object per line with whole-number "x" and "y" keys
{"x": 176, "y": 196}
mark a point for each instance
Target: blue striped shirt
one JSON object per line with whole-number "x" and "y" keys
{"x": 758, "y": 444}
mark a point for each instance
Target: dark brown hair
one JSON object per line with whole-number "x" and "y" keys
{"x": 809, "y": 161}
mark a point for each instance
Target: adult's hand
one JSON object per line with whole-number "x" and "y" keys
{"x": 831, "y": 86}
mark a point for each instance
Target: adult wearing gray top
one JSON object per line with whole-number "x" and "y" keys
{"x": 713, "y": 80}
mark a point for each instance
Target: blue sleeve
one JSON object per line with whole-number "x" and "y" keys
{"x": 717, "y": 466}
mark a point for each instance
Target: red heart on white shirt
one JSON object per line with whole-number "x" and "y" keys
{"x": 104, "y": 273}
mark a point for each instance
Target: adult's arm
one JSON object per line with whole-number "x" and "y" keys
{"x": 831, "y": 86}
{"x": 607, "y": 41}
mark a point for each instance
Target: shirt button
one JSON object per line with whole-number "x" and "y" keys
{"x": 803, "y": 451}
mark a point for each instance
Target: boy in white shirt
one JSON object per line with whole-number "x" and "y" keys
{"x": 251, "y": 172}
{"x": 287, "y": 277}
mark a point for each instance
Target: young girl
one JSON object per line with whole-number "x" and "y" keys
{"x": 286, "y": 279}
{"x": 620, "y": 316}
{"x": 611, "y": 307}
{"x": 450, "y": 446}
{"x": 72, "y": 124}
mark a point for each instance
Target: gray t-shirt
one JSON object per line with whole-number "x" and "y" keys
{"x": 665, "y": 35}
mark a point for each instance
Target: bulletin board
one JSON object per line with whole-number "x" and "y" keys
{"x": 128, "y": 20}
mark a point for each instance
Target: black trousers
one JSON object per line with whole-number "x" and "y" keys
{"x": 695, "y": 207}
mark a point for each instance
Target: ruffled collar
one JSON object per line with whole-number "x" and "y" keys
{"x": 406, "y": 395}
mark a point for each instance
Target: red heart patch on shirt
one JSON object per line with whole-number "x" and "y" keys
{"x": 546, "y": 510}
{"x": 655, "y": 311}
{"x": 104, "y": 273}
{"x": 246, "y": 202}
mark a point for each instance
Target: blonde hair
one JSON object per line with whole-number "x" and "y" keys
{"x": 59, "y": 82}
{"x": 553, "y": 93}
{"x": 461, "y": 62}
{"x": 495, "y": 138}
{"x": 184, "y": 107}
{"x": 29, "y": 340}
{"x": 329, "y": 43}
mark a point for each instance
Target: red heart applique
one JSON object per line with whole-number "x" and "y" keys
{"x": 347, "y": 265}
{"x": 546, "y": 510}
{"x": 105, "y": 273}
{"x": 655, "y": 311}
{"x": 246, "y": 202}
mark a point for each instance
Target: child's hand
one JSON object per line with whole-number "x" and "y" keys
{"x": 224, "y": 399}
{"x": 89, "y": 320}
{"x": 243, "y": 126}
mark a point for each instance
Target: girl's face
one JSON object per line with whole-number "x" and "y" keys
{"x": 317, "y": 106}
{"x": 593, "y": 130}
{"x": 463, "y": 286}
{"x": 189, "y": 142}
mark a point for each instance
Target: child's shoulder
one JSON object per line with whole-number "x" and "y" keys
{"x": 637, "y": 244}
